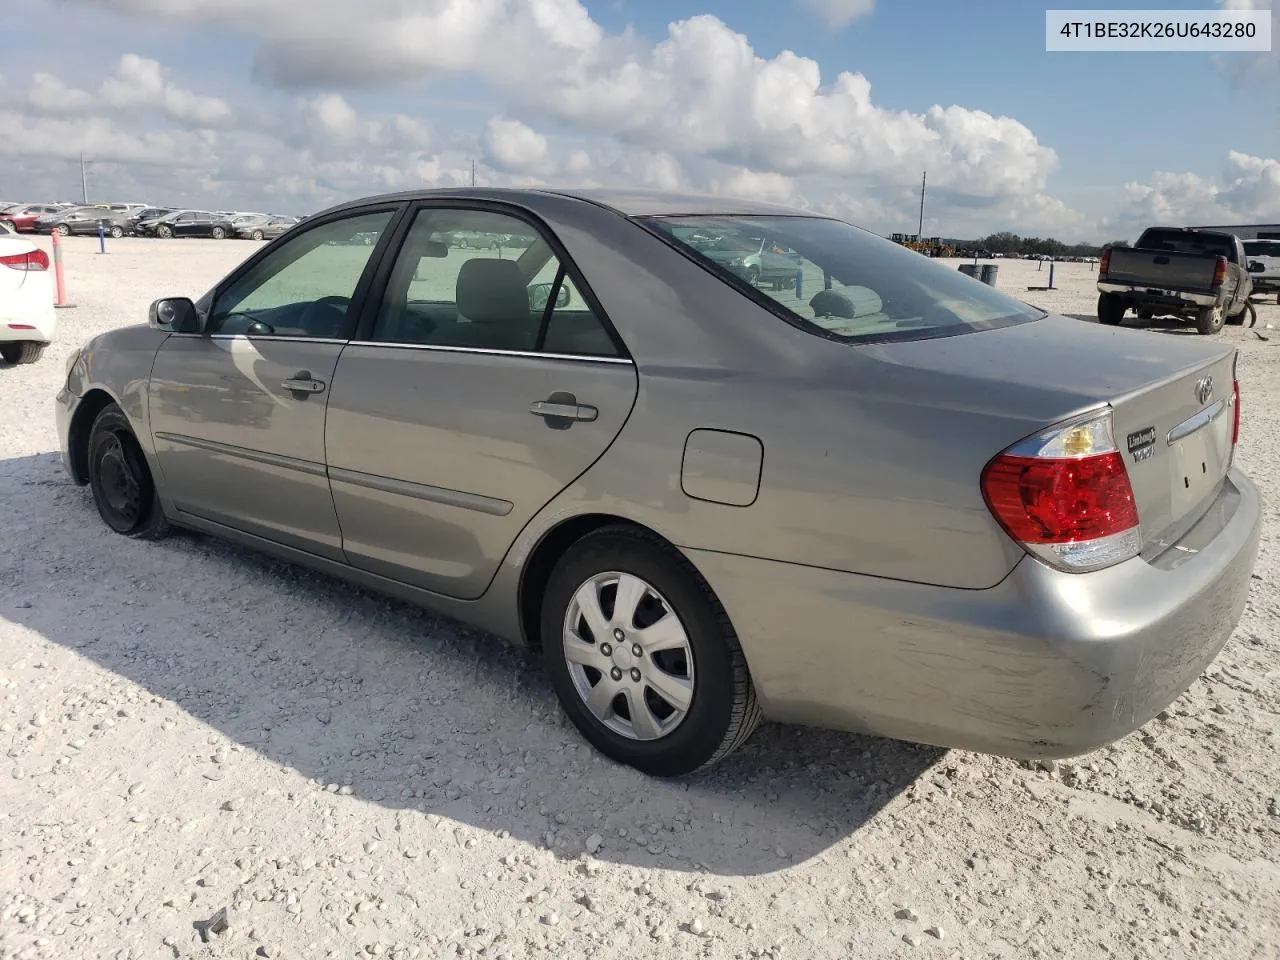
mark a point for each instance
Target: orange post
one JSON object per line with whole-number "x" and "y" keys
{"x": 59, "y": 279}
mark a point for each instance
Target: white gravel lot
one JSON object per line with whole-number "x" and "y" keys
{"x": 188, "y": 725}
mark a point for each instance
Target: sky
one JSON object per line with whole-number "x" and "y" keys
{"x": 839, "y": 106}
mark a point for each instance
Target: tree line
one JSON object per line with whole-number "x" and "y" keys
{"x": 1006, "y": 242}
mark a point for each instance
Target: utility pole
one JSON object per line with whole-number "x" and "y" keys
{"x": 84, "y": 180}
{"x": 923, "y": 179}
{"x": 473, "y": 173}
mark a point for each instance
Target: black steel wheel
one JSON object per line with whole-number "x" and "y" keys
{"x": 120, "y": 480}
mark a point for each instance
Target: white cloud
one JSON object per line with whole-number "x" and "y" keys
{"x": 1247, "y": 191}
{"x": 513, "y": 146}
{"x": 140, "y": 82}
{"x": 1257, "y": 71}
{"x": 840, "y": 13}
{"x": 755, "y": 185}
{"x": 48, "y": 94}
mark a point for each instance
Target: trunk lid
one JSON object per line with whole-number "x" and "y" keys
{"x": 1160, "y": 269}
{"x": 1171, "y": 397}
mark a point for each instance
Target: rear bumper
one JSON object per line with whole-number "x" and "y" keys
{"x": 1045, "y": 664}
{"x": 1156, "y": 294}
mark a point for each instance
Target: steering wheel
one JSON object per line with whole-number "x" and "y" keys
{"x": 313, "y": 312}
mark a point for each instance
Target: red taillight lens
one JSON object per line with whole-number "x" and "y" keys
{"x": 1235, "y": 423}
{"x": 1064, "y": 495}
{"x": 1060, "y": 501}
{"x": 32, "y": 260}
{"x": 1220, "y": 272}
{"x": 1105, "y": 263}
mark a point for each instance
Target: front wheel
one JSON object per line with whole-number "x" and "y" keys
{"x": 117, "y": 233}
{"x": 121, "y": 483}
{"x": 257, "y": 234}
{"x": 1111, "y": 309}
{"x": 164, "y": 232}
{"x": 63, "y": 229}
{"x": 642, "y": 656}
{"x": 1209, "y": 320}
{"x": 219, "y": 233}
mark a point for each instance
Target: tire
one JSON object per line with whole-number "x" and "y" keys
{"x": 1111, "y": 309}
{"x": 63, "y": 229}
{"x": 1146, "y": 314}
{"x": 120, "y": 480}
{"x": 1209, "y": 320}
{"x": 462, "y": 242}
{"x": 218, "y": 233}
{"x": 702, "y": 656}
{"x": 116, "y": 233}
{"x": 753, "y": 276}
{"x": 164, "y": 232}
{"x": 257, "y": 234}
{"x": 22, "y": 351}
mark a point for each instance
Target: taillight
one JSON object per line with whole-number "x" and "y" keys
{"x": 32, "y": 260}
{"x": 1064, "y": 495}
{"x": 1105, "y": 263}
{"x": 1219, "y": 272}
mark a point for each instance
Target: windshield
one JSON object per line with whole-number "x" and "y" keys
{"x": 833, "y": 278}
{"x": 1262, "y": 248}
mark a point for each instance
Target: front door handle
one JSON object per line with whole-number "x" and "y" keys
{"x": 303, "y": 382}
{"x": 563, "y": 406}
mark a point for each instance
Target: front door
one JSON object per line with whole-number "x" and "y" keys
{"x": 238, "y": 412}
{"x": 478, "y": 392}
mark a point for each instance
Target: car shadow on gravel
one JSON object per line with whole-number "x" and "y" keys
{"x": 409, "y": 710}
{"x": 1155, "y": 324}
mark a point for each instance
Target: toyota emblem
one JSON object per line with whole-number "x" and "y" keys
{"x": 1204, "y": 389}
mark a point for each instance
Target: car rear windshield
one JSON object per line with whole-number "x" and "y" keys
{"x": 838, "y": 280}
{"x": 1188, "y": 241}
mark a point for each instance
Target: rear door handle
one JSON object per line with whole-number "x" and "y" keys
{"x": 567, "y": 409}
{"x": 303, "y": 382}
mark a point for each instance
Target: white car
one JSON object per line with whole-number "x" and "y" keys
{"x": 1266, "y": 252}
{"x": 26, "y": 300}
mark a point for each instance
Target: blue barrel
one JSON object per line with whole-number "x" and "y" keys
{"x": 989, "y": 271}
{"x": 969, "y": 270}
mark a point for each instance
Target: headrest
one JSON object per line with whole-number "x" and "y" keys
{"x": 492, "y": 291}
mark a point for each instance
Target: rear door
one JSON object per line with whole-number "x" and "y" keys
{"x": 474, "y": 393}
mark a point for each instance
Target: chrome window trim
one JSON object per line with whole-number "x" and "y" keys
{"x": 397, "y": 345}
{"x": 488, "y": 351}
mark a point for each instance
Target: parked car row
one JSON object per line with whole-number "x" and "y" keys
{"x": 142, "y": 220}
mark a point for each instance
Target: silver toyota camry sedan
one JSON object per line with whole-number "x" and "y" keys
{"x": 718, "y": 460}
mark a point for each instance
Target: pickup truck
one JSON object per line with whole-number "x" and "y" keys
{"x": 1198, "y": 275}
{"x": 1266, "y": 253}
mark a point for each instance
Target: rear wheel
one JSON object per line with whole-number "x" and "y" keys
{"x": 1209, "y": 320}
{"x": 219, "y": 233}
{"x": 121, "y": 483}
{"x": 22, "y": 351}
{"x": 1111, "y": 309}
{"x": 63, "y": 229}
{"x": 642, "y": 656}
{"x": 257, "y": 234}
{"x": 117, "y": 233}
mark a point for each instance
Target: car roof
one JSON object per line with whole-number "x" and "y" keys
{"x": 629, "y": 203}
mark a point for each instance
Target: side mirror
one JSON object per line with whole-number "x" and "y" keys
{"x": 174, "y": 315}
{"x": 1257, "y": 266}
{"x": 540, "y": 293}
